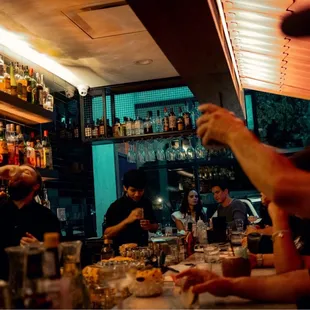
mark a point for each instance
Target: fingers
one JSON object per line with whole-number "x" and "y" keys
{"x": 30, "y": 235}
{"x": 201, "y": 288}
{"x": 186, "y": 273}
{"x": 26, "y": 240}
{"x": 209, "y": 107}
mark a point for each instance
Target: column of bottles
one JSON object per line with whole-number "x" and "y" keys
{"x": 16, "y": 150}
{"x": 18, "y": 80}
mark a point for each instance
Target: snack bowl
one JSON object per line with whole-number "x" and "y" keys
{"x": 145, "y": 282}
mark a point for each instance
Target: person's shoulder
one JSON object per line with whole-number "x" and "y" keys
{"x": 116, "y": 204}
{"x": 40, "y": 209}
{"x": 236, "y": 203}
{"x": 177, "y": 215}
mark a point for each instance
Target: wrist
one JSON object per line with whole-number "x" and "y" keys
{"x": 239, "y": 132}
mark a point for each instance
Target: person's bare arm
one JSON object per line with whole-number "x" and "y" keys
{"x": 286, "y": 256}
{"x": 271, "y": 173}
{"x": 179, "y": 225}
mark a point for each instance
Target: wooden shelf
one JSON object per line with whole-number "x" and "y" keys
{"x": 19, "y": 110}
{"x": 164, "y": 135}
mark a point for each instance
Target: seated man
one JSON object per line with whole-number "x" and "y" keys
{"x": 22, "y": 220}
{"x": 122, "y": 220}
{"x": 230, "y": 208}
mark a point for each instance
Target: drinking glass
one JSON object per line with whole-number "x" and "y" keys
{"x": 160, "y": 150}
{"x": 180, "y": 152}
{"x": 150, "y": 151}
{"x": 131, "y": 155}
{"x": 200, "y": 151}
{"x": 141, "y": 157}
{"x": 239, "y": 225}
{"x": 170, "y": 152}
{"x": 190, "y": 150}
{"x": 211, "y": 254}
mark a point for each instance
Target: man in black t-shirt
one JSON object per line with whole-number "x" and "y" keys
{"x": 124, "y": 222}
{"x": 22, "y": 220}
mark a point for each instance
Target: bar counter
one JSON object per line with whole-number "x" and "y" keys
{"x": 207, "y": 301}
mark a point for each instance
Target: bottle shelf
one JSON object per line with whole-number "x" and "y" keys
{"x": 22, "y": 111}
{"x": 162, "y": 135}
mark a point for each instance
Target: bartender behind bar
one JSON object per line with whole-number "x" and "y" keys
{"x": 130, "y": 218}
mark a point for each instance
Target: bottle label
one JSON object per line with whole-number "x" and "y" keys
{"x": 11, "y": 152}
{"x": 166, "y": 124}
{"x": 172, "y": 122}
{"x": 187, "y": 121}
{"x": 180, "y": 126}
{"x": 101, "y": 130}
{"x": 3, "y": 147}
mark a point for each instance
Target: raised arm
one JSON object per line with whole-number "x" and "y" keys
{"x": 269, "y": 171}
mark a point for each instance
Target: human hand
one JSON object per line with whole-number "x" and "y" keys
{"x": 217, "y": 124}
{"x": 29, "y": 238}
{"x": 194, "y": 276}
{"x": 218, "y": 287}
{"x": 134, "y": 215}
{"x": 145, "y": 224}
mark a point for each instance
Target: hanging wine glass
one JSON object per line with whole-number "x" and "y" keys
{"x": 131, "y": 155}
{"x": 190, "y": 150}
{"x": 150, "y": 151}
{"x": 160, "y": 150}
{"x": 200, "y": 151}
{"x": 141, "y": 158}
{"x": 180, "y": 152}
{"x": 170, "y": 152}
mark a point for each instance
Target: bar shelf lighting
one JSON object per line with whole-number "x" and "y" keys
{"x": 266, "y": 59}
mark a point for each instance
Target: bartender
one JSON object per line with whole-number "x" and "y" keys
{"x": 131, "y": 217}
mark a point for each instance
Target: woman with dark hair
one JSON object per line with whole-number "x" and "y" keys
{"x": 191, "y": 205}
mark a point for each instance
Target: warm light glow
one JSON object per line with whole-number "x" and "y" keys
{"x": 18, "y": 45}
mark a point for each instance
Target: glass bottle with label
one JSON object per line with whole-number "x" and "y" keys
{"x": 39, "y": 154}
{"x": 20, "y": 146}
{"x": 2, "y": 71}
{"x": 158, "y": 123}
{"x": 180, "y": 121}
{"x": 76, "y": 131}
{"x": 30, "y": 157}
{"x": 107, "y": 251}
{"x": 148, "y": 125}
{"x": 172, "y": 121}
{"x": 20, "y": 81}
{"x": 166, "y": 120}
{"x": 31, "y": 90}
{"x": 13, "y": 81}
{"x": 101, "y": 128}
{"x": 10, "y": 139}
{"x": 116, "y": 128}
{"x": 88, "y": 130}
{"x": 25, "y": 84}
{"x": 95, "y": 131}
{"x": 3, "y": 147}
{"x": 47, "y": 151}
{"x": 7, "y": 79}
{"x": 129, "y": 131}
{"x": 39, "y": 90}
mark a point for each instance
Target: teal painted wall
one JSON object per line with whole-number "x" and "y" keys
{"x": 104, "y": 181}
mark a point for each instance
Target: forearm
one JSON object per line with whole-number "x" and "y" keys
{"x": 284, "y": 288}
{"x": 113, "y": 231}
{"x": 286, "y": 256}
{"x": 279, "y": 181}
{"x": 268, "y": 260}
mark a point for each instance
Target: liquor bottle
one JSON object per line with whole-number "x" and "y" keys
{"x": 95, "y": 131}
{"x": 43, "y": 93}
{"x": 123, "y": 128}
{"x": 48, "y": 100}
{"x": 30, "y": 157}
{"x": 20, "y": 146}
{"x": 107, "y": 251}
{"x": 180, "y": 121}
{"x": 166, "y": 120}
{"x": 51, "y": 256}
{"x": 3, "y": 147}
{"x": 116, "y": 128}
{"x": 101, "y": 128}
{"x": 187, "y": 120}
{"x": 139, "y": 126}
{"x": 20, "y": 81}
{"x": 31, "y": 91}
{"x": 148, "y": 126}
{"x": 2, "y": 71}
{"x": 32, "y": 139}
{"x": 88, "y": 130}
{"x": 35, "y": 296}
{"x": 129, "y": 131}
{"x": 13, "y": 80}
{"x": 7, "y": 79}
{"x": 39, "y": 154}
{"x": 158, "y": 123}
{"x": 10, "y": 139}
{"x": 25, "y": 84}
{"x": 47, "y": 151}
{"x": 190, "y": 240}
{"x": 172, "y": 121}
{"x": 109, "y": 129}
{"x": 38, "y": 89}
